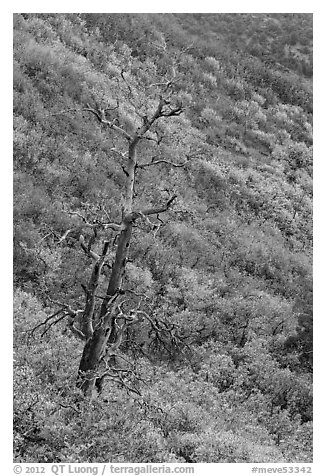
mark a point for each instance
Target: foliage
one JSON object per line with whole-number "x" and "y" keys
{"x": 219, "y": 366}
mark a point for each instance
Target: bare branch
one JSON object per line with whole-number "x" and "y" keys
{"x": 159, "y": 112}
{"x": 34, "y": 329}
{"x": 135, "y": 293}
{"x": 95, "y": 225}
{"x": 46, "y": 236}
{"x": 122, "y": 72}
{"x": 156, "y": 228}
{"x": 155, "y": 211}
{"x": 100, "y": 115}
{"x": 149, "y": 319}
{"x": 105, "y": 226}
{"x": 131, "y": 95}
{"x": 113, "y": 226}
{"x": 107, "y": 214}
{"x": 64, "y": 236}
{"x": 113, "y": 108}
{"x": 87, "y": 251}
{"x": 176, "y": 111}
{"x": 120, "y": 381}
{"x": 166, "y": 84}
{"x": 80, "y": 215}
{"x": 160, "y": 220}
{"x": 65, "y": 310}
{"x": 159, "y": 137}
{"x": 78, "y": 333}
{"x": 54, "y": 323}
{"x": 69, "y": 406}
{"x": 122, "y": 154}
{"x": 64, "y": 111}
{"x": 66, "y": 307}
{"x": 149, "y": 138}
{"x": 162, "y": 161}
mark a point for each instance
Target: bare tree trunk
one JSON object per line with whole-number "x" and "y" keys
{"x": 101, "y": 333}
{"x": 105, "y": 333}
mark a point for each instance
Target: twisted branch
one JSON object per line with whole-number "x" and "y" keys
{"x": 101, "y": 117}
{"x": 162, "y": 161}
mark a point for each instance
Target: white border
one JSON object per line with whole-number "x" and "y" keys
{"x": 230, "y": 6}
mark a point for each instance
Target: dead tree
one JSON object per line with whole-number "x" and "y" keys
{"x": 101, "y": 328}
{"x": 101, "y": 323}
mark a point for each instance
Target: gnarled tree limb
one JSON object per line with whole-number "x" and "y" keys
{"x": 101, "y": 117}
{"x": 162, "y": 161}
{"x": 156, "y": 211}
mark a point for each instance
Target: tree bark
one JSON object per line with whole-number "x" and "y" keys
{"x": 101, "y": 333}
{"x": 105, "y": 331}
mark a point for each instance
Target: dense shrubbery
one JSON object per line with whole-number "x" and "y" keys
{"x": 227, "y": 274}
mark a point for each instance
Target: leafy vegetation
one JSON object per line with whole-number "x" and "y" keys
{"x": 214, "y": 313}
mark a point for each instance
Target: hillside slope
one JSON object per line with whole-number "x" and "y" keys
{"x": 220, "y": 369}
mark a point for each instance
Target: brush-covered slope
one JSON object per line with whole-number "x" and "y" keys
{"x": 229, "y": 267}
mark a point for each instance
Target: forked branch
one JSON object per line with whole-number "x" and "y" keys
{"x": 100, "y": 114}
{"x": 156, "y": 211}
{"x": 56, "y": 317}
